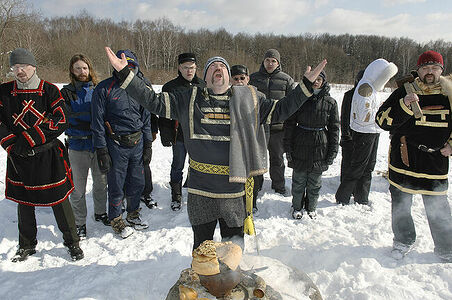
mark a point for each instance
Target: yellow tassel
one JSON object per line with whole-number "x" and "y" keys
{"x": 248, "y": 225}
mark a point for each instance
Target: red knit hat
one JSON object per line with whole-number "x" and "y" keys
{"x": 430, "y": 58}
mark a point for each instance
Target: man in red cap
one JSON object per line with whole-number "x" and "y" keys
{"x": 419, "y": 154}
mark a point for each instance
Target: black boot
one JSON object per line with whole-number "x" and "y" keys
{"x": 76, "y": 252}
{"x": 22, "y": 254}
{"x": 176, "y": 195}
{"x": 102, "y": 218}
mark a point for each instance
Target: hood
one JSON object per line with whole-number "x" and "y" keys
{"x": 378, "y": 73}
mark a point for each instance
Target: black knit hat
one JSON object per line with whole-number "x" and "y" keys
{"x": 184, "y": 57}
{"x": 273, "y": 53}
{"x": 22, "y": 56}
{"x": 239, "y": 70}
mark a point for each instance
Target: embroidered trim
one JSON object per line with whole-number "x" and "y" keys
{"x": 305, "y": 89}
{"x": 221, "y": 97}
{"x": 47, "y": 204}
{"x": 29, "y": 139}
{"x": 56, "y": 101}
{"x": 255, "y": 102}
{"x": 417, "y": 175}
{"x": 6, "y": 138}
{"x": 442, "y": 112}
{"x": 213, "y": 195}
{"x": 385, "y": 116}
{"x": 37, "y": 187}
{"x": 269, "y": 118}
{"x": 167, "y": 105}
{"x": 405, "y": 108}
{"x": 215, "y": 109}
{"x": 127, "y": 81}
{"x": 41, "y": 134}
{"x": 411, "y": 191}
{"x": 215, "y": 122}
{"x": 38, "y": 91}
{"x": 209, "y": 168}
{"x": 425, "y": 123}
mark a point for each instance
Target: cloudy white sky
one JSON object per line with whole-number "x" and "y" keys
{"x": 421, "y": 20}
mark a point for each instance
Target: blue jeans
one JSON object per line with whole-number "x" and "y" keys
{"x": 125, "y": 178}
{"x": 177, "y": 166}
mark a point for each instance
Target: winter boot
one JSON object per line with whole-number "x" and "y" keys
{"x": 312, "y": 214}
{"x": 76, "y": 252}
{"x": 81, "y": 231}
{"x": 148, "y": 201}
{"x": 102, "y": 218}
{"x": 176, "y": 195}
{"x": 400, "y": 250}
{"x": 120, "y": 227}
{"x": 133, "y": 218}
{"x": 22, "y": 254}
{"x": 297, "y": 214}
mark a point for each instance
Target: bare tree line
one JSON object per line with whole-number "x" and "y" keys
{"x": 158, "y": 42}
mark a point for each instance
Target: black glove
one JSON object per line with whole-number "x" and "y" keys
{"x": 166, "y": 142}
{"x": 289, "y": 160}
{"x": 103, "y": 159}
{"x": 21, "y": 147}
{"x": 147, "y": 152}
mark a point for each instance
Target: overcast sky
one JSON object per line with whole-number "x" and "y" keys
{"x": 421, "y": 20}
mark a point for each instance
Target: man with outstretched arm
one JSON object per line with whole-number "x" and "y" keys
{"x": 223, "y": 138}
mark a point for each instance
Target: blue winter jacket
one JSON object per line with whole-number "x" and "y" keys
{"x": 78, "y": 102}
{"x": 111, "y": 103}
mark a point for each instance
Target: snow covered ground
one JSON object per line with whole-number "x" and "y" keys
{"x": 345, "y": 250}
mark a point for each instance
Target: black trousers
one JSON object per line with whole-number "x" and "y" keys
{"x": 357, "y": 178}
{"x": 258, "y": 182}
{"x": 28, "y": 229}
{"x": 206, "y": 231}
{"x": 148, "y": 186}
{"x": 347, "y": 154}
{"x": 275, "y": 153}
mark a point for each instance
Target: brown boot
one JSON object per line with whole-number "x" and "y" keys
{"x": 120, "y": 227}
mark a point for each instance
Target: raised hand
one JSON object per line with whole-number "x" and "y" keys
{"x": 409, "y": 98}
{"x": 312, "y": 74}
{"x": 117, "y": 63}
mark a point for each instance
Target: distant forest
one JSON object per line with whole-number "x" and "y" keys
{"x": 157, "y": 44}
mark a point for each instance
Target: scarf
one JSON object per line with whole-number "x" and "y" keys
{"x": 248, "y": 147}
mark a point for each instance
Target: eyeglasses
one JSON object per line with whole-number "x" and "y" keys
{"x": 188, "y": 68}
{"x": 237, "y": 78}
{"x": 16, "y": 68}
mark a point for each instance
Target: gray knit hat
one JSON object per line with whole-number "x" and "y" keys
{"x": 273, "y": 53}
{"x": 22, "y": 56}
{"x": 215, "y": 59}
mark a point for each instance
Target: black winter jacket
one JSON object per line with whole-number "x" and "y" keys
{"x": 345, "y": 116}
{"x": 170, "y": 132}
{"x": 312, "y": 133}
{"x": 274, "y": 86}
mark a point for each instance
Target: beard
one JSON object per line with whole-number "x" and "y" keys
{"x": 82, "y": 78}
{"x": 430, "y": 79}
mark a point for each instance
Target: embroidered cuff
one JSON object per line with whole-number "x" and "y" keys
{"x": 125, "y": 76}
{"x": 405, "y": 108}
